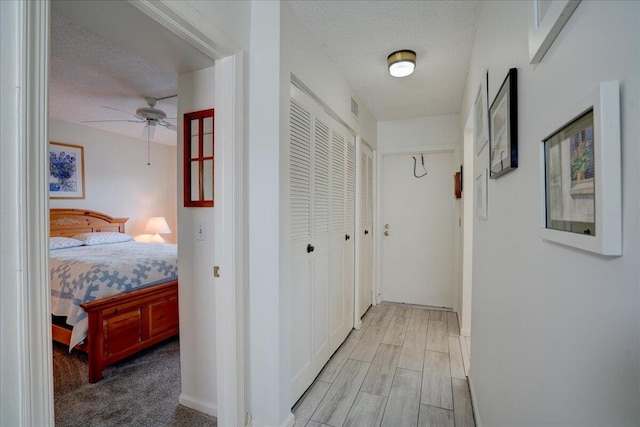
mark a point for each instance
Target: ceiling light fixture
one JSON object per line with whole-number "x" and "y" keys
{"x": 401, "y": 63}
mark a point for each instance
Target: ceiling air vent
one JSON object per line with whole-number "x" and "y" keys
{"x": 354, "y": 108}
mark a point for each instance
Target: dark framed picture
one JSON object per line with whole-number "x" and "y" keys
{"x": 503, "y": 115}
{"x": 580, "y": 175}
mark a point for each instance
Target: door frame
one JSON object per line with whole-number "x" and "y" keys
{"x": 33, "y": 403}
{"x": 378, "y": 226}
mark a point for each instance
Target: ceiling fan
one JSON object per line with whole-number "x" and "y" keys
{"x": 148, "y": 115}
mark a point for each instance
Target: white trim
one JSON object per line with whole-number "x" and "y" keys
{"x": 289, "y": 422}
{"x": 190, "y": 25}
{"x": 375, "y": 290}
{"x": 474, "y": 400}
{"x": 33, "y": 322}
{"x": 228, "y": 241}
{"x": 357, "y": 318}
{"x": 198, "y": 405}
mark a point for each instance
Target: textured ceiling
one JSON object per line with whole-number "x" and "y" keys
{"x": 109, "y": 66}
{"x": 359, "y": 35}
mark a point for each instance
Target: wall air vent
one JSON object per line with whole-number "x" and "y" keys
{"x": 354, "y": 108}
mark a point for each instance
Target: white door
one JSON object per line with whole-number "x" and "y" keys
{"x": 309, "y": 249}
{"x": 341, "y": 283}
{"x": 418, "y": 220}
{"x": 366, "y": 228}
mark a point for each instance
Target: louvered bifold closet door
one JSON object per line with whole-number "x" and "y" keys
{"x": 321, "y": 308}
{"x": 341, "y": 319}
{"x": 320, "y": 237}
{"x": 366, "y": 223}
{"x": 300, "y": 193}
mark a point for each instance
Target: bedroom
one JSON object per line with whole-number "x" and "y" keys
{"x": 125, "y": 174}
{"x": 597, "y": 312}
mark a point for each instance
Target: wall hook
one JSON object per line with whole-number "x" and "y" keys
{"x": 415, "y": 164}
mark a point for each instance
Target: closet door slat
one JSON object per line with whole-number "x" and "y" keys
{"x": 300, "y": 164}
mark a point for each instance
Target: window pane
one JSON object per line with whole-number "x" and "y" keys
{"x": 194, "y": 126}
{"x": 195, "y": 181}
{"x": 194, "y": 147}
{"x": 208, "y": 145}
{"x": 208, "y": 125}
{"x": 208, "y": 179}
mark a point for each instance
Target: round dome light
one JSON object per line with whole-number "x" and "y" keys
{"x": 401, "y": 63}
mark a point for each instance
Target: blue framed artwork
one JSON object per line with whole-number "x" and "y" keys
{"x": 66, "y": 171}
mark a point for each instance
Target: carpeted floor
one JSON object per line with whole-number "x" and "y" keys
{"x": 140, "y": 391}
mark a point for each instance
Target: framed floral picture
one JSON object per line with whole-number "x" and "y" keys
{"x": 66, "y": 171}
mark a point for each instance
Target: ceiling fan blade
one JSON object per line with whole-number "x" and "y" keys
{"x": 122, "y": 111}
{"x": 106, "y": 121}
{"x": 168, "y": 125}
{"x": 166, "y": 97}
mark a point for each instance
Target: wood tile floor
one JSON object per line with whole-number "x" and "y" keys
{"x": 404, "y": 367}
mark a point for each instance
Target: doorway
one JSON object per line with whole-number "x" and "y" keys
{"x": 417, "y": 244}
{"x": 33, "y": 354}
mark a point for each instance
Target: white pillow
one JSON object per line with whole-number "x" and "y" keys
{"x": 63, "y": 242}
{"x": 91, "y": 239}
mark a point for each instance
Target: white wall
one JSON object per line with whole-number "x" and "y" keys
{"x": 118, "y": 181}
{"x": 277, "y": 33}
{"x": 305, "y": 59}
{"x": 421, "y": 132}
{"x": 195, "y": 263}
{"x": 268, "y": 301}
{"x": 555, "y": 330}
{"x": 231, "y": 17}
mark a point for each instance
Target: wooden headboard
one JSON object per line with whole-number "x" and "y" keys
{"x": 69, "y": 222}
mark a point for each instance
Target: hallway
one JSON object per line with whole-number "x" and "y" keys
{"x": 404, "y": 367}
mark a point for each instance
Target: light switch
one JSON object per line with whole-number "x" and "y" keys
{"x": 201, "y": 231}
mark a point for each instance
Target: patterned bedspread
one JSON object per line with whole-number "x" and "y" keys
{"x": 87, "y": 273}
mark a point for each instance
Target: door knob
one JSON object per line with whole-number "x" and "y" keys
{"x": 386, "y": 226}
{"x": 310, "y": 248}
{"x": 366, "y": 232}
{"x": 386, "y": 233}
{"x": 347, "y": 237}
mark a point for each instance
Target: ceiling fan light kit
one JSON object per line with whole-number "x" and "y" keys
{"x": 401, "y": 63}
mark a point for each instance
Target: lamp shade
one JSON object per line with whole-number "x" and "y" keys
{"x": 157, "y": 225}
{"x": 401, "y": 63}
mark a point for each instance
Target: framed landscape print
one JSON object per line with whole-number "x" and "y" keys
{"x": 481, "y": 115}
{"x": 503, "y": 127}
{"x": 66, "y": 171}
{"x": 580, "y": 171}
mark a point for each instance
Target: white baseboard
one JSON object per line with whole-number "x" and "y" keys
{"x": 198, "y": 405}
{"x": 474, "y": 401}
{"x": 289, "y": 422}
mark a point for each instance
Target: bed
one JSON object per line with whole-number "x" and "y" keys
{"x": 107, "y": 309}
